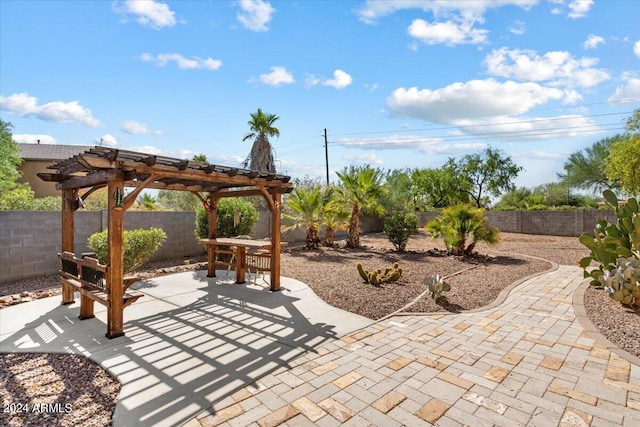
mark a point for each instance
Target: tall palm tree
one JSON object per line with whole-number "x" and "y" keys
{"x": 361, "y": 189}
{"x": 306, "y": 205}
{"x": 261, "y": 156}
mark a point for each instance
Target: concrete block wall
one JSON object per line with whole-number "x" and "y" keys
{"x": 179, "y": 226}
{"x": 30, "y": 240}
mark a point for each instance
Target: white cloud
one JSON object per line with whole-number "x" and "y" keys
{"x": 636, "y": 48}
{"x": 136, "y": 128}
{"x": 195, "y": 63}
{"x": 373, "y": 9}
{"x": 311, "y": 80}
{"x": 506, "y": 128}
{"x": 423, "y": 144}
{"x": 449, "y": 32}
{"x": 278, "y": 76}
{"x": 255, "y": 14}
{"x": 579, "y": 8}
{"x": 592, "y": 41}
{"x": 340, "y": 80}
{"x": 56, "y": 111}
{"x": 558, "y": 67}
{"x": 473, "y": 100}
{"x": 371, "y": 87}
{"x": 362, "y": 159}
{"x": 517, "y": 28}
{"x": 26, "y": 138}
{"x": 629, "y": 92}
{"x": 149, "y": 13}
{"x": 108, "y": 140}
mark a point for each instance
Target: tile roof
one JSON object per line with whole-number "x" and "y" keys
{"x": 50, "y": 151}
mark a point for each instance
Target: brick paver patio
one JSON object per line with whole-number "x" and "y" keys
{"x": 527, "y": 361}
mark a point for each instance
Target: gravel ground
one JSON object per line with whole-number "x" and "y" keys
{"x": 331, "y": 273}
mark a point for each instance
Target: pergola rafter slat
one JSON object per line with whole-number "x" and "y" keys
{"x": 115, "y": 169}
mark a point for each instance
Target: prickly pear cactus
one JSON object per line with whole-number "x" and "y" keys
{"x": 380, "y": 276}
{"x": 623, "y": 282}
{"x": 616, "y": 249}
{"x": 437, "y": 287}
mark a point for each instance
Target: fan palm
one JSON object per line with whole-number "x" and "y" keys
{"x": 306, "y": 205}
{"x": 460, "y": 222}
{"x": 261, "y": 128}
{"x": 334, "y": 216}
{"x": 361, "y": 189}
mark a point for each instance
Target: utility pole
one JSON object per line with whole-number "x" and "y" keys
{"x": 326, "y": 154}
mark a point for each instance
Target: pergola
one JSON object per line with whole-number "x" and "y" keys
{"x": 100, "y": 167}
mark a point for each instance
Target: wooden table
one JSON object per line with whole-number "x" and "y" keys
{"x": 240, "y": 246}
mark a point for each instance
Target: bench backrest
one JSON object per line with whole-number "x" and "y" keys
{"x": 86, "y": 269}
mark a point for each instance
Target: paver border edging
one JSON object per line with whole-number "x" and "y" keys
{"x": 502, "y": 296}
{"x": 592, "y": 330}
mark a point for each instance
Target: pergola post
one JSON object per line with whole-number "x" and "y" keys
{"x": 275, "y": 241}
{"x": 213, "y": 233}
{"x": 115, "y": 265}
{"x": 68, "y": 236}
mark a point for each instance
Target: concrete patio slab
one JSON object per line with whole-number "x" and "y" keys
{"x": 190, "y": 341}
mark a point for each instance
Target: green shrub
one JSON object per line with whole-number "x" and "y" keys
{"x": 616, "y": 249}
{"x": 399, "y": 226}
{"x": 248, "y": 216}
{"x": 139, "y": 246}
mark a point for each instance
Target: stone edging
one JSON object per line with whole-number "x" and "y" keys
{"x": 502, "y": 296}
{"x": 592, "y": 330}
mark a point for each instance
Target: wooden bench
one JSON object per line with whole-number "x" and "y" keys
{"x": 88, "y": 276}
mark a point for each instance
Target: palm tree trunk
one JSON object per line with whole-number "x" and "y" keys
{"x": 353, "y": 240}
{"x": 329, "y": 236}
{"x": 313, "y": 240}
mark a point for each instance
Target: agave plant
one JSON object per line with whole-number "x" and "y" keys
{"x": 437, "y": 287}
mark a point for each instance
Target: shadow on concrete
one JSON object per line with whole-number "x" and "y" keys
{"x": 185, "y": 348}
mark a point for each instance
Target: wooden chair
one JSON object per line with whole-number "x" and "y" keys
{"x": 259, "y": 260}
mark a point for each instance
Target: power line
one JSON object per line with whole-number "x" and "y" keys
{"x": 507, "y": 133}
{"x": 540, "y": 120}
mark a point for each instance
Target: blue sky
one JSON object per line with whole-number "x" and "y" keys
{"x": 396, "y": 84}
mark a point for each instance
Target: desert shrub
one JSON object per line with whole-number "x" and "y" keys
{"x": 457, "y": 224}
{"x": 248, "y": 215}
{"x": 139, "y": 246}
{"x": 399, "y": 226}
{"x": 616, "y": 249}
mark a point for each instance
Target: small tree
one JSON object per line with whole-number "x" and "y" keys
{"x": 457, "y": 224}
{"x": 488, "y": 173}
{"x": 139, "y": 246}
{"x": 9, "y": 158}
{"x": 623, "y": 163}
{"x": 399, "y": 226}
{"x": 228, "y": 210}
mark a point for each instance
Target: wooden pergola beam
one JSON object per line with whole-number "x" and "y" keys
{"x": 115, "y": 169}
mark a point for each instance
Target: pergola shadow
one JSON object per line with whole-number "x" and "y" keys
{"x": 183, "y": 353}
